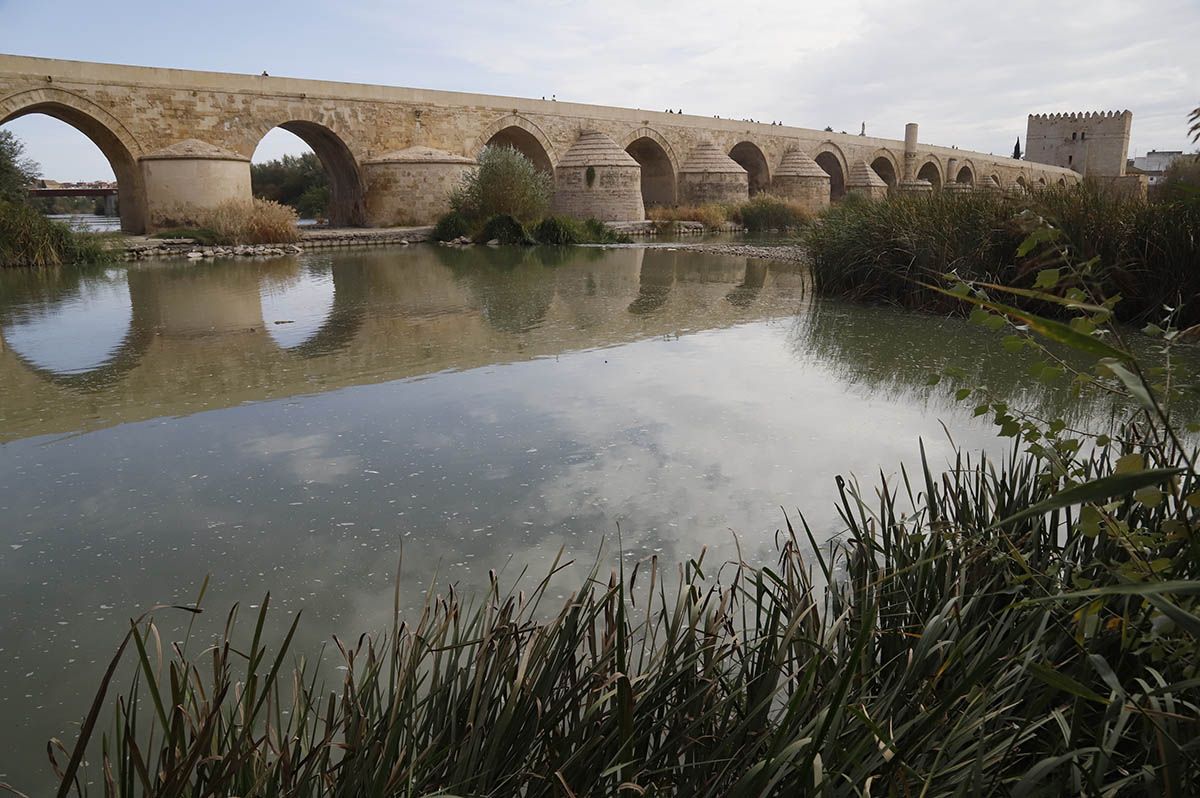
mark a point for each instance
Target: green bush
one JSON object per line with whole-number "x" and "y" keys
{"x": 27, "y": 238}
{"x": 506, "y": 183}
{"x": 561, "y": 231}
{"x": 450, "y": 226}
{"x": 597, "y": 232}
{"x": 504, "y": 229}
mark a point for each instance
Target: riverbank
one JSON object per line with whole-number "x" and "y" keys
{"x": 144, "y": 247}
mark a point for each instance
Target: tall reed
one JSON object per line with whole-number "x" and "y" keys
{"x": 886, "y": 251}
{"x": 936, "y": 649}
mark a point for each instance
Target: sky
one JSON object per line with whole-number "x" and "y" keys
{"x": 968, "y": 72}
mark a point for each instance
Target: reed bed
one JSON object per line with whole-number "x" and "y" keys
{"x": 934, "y": 649}
{"x": 886, "y": 251}
{"x": 761, "y": 213}
{"x": 29, "y": 239}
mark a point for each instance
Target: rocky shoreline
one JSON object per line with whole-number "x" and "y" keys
{"x": 138, "y": 248}
{"x": 144, "y": 248}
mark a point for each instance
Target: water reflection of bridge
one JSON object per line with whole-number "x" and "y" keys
{"x": 183, "y": 338}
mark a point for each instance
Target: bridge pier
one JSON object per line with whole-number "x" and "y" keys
{"x": 110, "y": 205}
{"x": 801, "y": 180}
{"x": 596, "y": 179}
{"x": 189, "y": 177}
{"x": 864, "y": 181}
{"x": 709, "y": 175}
{"x": 411, "y": 186}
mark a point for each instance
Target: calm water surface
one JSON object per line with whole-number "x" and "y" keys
{"x": 285, "y": 425}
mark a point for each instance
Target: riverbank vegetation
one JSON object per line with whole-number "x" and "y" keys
{"x": 298, "y": 181}
{"x": 28, "y": 238}
{"x": 890, "y": 251}
{"x": 1027, "y": 626}
{"x": 507, "y": 200}
{"x": 761, "y": 213}
{"x": 232, "y": 222}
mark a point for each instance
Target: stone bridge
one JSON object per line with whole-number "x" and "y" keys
{"x": 181, "y": 140}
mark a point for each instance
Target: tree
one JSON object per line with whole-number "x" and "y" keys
{"x": 295, "y": 180}
{"x": 17, "y": 172}
{"x": 1017, "y": 150}
{"x": 506, "y": 182}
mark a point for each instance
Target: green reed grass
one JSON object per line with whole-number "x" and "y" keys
{"x": 935, "y": 649}
{"x": 884, "y": 251}
{"x": 29, "y": 239}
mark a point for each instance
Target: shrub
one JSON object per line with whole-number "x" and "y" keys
{"x": 27, "y": 238}
{"x": 506, "y": 183}
{"x": 766, "y": 212}
{"x": 17, "y": 171}
{"x": 597, "y": 232}
{"x": 234, "y": 221}
{"x": 559, "y": 231}
{"x": 450, "y": 226}
{"x": 504, "y": 229}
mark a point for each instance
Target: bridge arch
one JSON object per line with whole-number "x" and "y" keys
{"x": 347, "y": 189}
{"x": 659, "y": 165}
{"x": 1022, "y": 183}
{"x": 833, "y": 161}
{"x": 931, "y": 170}
{"x": 966, "y": 173}
{"x": 750, "y": 157}
{"x": 523, "y": 136}
{"x": 885, "y": 164}
{"x": 104, "y": 130}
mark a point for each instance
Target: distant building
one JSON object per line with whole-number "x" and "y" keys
{"x": 1095, "y": 144}
{"x": 1155, "y": 163}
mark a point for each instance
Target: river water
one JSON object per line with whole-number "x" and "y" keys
{"x": 285, "y": 425}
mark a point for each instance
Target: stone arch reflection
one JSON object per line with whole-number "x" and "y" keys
{"x": 296, "y": 303}
{"x": 75, "y": 329}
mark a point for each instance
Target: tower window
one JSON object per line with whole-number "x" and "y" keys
{"x": 1083, "y": 136}
{"x": 1070, "y": 159}
{"x": 1074, "y": 136}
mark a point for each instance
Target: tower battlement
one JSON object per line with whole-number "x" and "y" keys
{"x": 1093, "y": 143}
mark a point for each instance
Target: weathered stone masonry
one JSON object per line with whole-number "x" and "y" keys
{"x": 179, "y": 138}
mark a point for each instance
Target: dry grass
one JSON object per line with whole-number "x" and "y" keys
{"x": 711, "y": 216}
{"x": 254, "y": 221}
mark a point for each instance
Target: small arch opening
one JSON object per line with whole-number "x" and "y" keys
{"x": 966, "y": 176}
{"x": 930, "y": 172}
{"x": 525, "y": 143}
{"x": 751, "y": 158}
{"x": 887, "y": 172}
{"x": 837, "y": 177}
{"x": 658, "y": 176}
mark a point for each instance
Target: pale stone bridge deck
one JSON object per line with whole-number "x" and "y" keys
{"x": 179, "y": 140}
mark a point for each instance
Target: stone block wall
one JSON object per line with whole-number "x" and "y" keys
{"x": 400, "y": 194}
{"x": 702, "y": 188}
{"x": 613, "y": 195}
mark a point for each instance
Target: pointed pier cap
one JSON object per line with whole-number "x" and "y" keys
{"x": 863, "y": 176}
{"x": 593, "y": 148}
{"x": 796, "y": 163}
{"x": 708, "y": 158}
